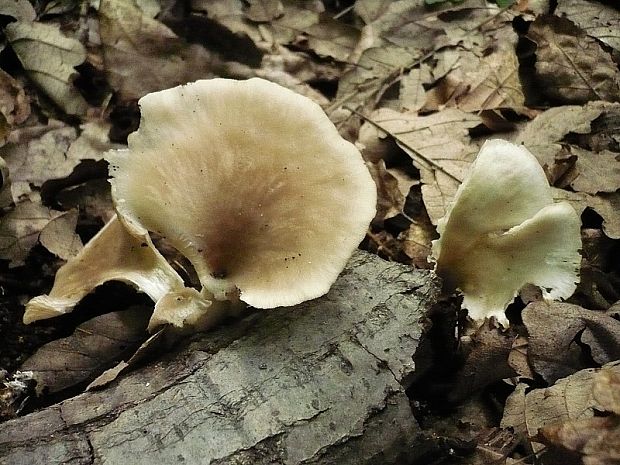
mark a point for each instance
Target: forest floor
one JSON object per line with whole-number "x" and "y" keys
{"x": 418, "y": 87}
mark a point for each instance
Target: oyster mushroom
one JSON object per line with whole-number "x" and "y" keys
{"x": 503, "y": 231}
{"x": 252, "y": 183}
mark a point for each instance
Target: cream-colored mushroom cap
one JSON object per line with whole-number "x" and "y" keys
{"x": 251, "y": 182}
{"x": 503, "y": 231}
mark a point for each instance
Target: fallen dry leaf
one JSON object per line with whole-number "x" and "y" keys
{"x": 401, "y": 35}
{"x": 416, "y": 242}
{"x": 370, "y": 10}
{"x": 54, "y": 155}
{"x": 397, "y": 36}
{"x": 49, "y": 58}
{"x": 21, "y": 10}
{"x": 6, "y": 198}
{"x": 134, "y": 45}
{"x": 544, "y": 135}
{"x": 362, "y": 82}
{"x": 572, "y": 67}
{"x": 331, "y": 38}
{"x": 92, "y": 348}
{"x": 518, "y": 360}
{"x": 392, "y": 190}
{"x": 606, "y": 390}
{"x": 59, "y": 236}
{"x": 440, "y": 147}
{"x": 595, "y": 441}
{"x": 495, "y": 84}
{"x": 486, "y": 361}
{"x": 483, "y": 78}
{"x": 606, "y": 205}
{"x": 563, "y": 336}
{"x": 599, "y": 287}
{"x": 569, "y": 399}
{"x": 147, "y": 348}
{"x": 595, "y": 18}
{"x": 14, "y": 105}
{"x": 230, "y": 14}
{"x": 412, "y": 91}
{"x": 92, "y": 198}
{"x": 42, "y": 158}
{"x": 262, "y": 11}
{"x": 594, "y": 172}
{"x": 20, "y": 228}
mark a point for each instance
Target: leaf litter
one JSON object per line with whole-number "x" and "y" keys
{"x": 418, "y": 86}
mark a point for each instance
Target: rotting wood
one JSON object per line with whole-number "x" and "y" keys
{"x": 320, "y": 383}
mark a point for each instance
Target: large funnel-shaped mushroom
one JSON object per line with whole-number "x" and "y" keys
{"x": 503, "y": 231}
{"x": 251, "y": 182}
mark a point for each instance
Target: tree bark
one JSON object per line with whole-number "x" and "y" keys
{"x": 320, "y": 383}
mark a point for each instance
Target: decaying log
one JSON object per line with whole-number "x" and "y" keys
{"x": 319, "y": 383}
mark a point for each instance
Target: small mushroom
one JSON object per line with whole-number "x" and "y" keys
{"x": 503, "y": 231}
{"x": 249, "y": 180}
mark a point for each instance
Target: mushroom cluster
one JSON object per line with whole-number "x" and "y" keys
{"x": 249, "y": 180}
{"x": 503, "y": 230}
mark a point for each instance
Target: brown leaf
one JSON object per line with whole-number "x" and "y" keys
{"x": 412, "y": 92}
{"x": 392, "y": 191}
{"x": 558, "y": 333}
{"x": 59, "y": 236}
{"x": 14, "y": 105}
{"x": 19, "y": 230}
{"x": 595, "y": 18}
{"x": 515, "y": 410}
{"x": 231, "y": 14}
{"x": 598, "y": 287}
{"x": 21, "y": 10}
{"x": 417, "y": 240}
{"x": 495, "y": 85}
{"x": 135, "y": 45}
{"x": 93, "y": 347}
{"x": 42, "y": 158}
{"x": 370, "y": 10}
{"x": 49, "y": 59}
{"x": 398, "y": 35}
{"x": 6, "y": 198}
{"x": 358, "y": 85}
{"x": 595, "y": 172}
{"x": 440, "y": 147}
{"x": 92, "y": 198}
{"x": 146, "y": 349}
{"x": 263, "y": 11}
{"x": 569, "y": 399}
{"x": 571, "y": 66}
{"x": 331, "y": 38}
{"x": 606, "y": 205}
{"x": 606, "y": 390}
{"x": 518, "y": 359}
{"x": 54, "y": 154}
{"x": 486, "y": 361}
{"x": 596, "y": 441}
{"x": 482, "y": 80}
{"x": 544, "y": 135}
